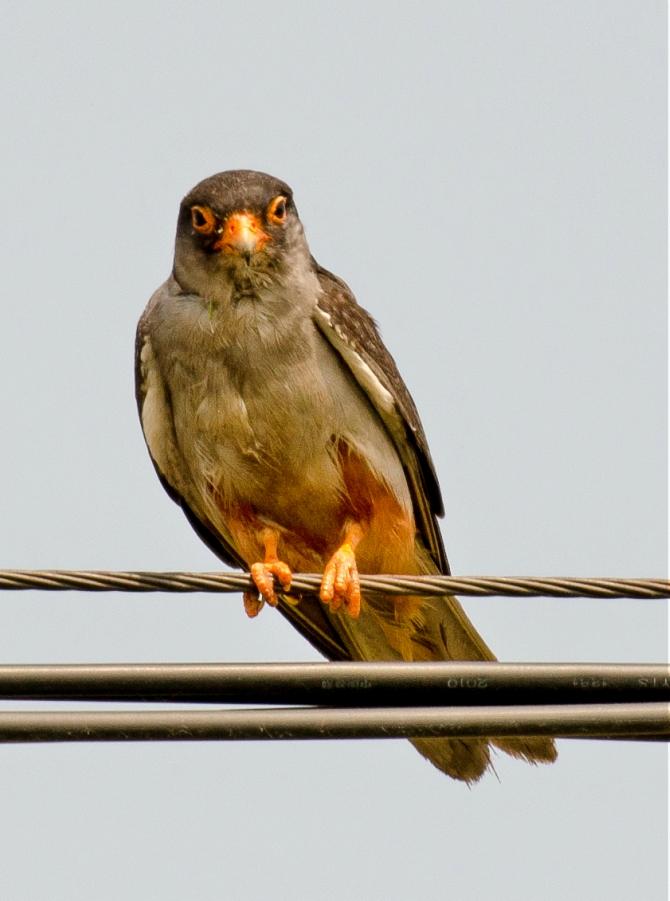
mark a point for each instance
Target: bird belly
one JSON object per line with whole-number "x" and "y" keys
{"x": 300, "y": 452}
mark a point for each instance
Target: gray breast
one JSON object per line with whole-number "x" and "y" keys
{"x": 259, "y": 401}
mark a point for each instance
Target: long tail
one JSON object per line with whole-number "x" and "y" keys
{"x": 415, "y": 628}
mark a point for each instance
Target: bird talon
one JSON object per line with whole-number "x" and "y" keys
{"x": 264, "y": 574}
{"x": 340, "y": 586}
{"x": 253, "y": 603}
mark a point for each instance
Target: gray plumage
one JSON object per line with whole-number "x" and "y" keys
{"x": 270, "y": 404}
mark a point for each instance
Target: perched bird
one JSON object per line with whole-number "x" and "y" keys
{"x": 277, "y": 419}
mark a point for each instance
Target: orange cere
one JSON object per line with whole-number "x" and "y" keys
{"x": 242, "y": 233}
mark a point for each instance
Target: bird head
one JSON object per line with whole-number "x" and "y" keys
{"x": 235, "y": 228}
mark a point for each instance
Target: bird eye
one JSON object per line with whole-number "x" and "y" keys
{"x": 277, "y": 210}
{"x": 203, "y": 220}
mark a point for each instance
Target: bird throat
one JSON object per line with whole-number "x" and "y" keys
{"x": 248, "y": 282}
{"x": 243, "y": 289}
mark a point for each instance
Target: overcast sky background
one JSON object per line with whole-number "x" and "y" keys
{"x": 490, "y": 179}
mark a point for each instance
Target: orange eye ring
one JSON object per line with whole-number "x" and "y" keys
{"x": 278, "y": 210}
{"x": 203, "y": 220}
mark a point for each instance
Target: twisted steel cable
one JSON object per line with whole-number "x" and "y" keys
{"x": 308, "y": 583}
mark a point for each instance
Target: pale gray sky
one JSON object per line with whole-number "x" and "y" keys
{"x": 490, "y": 180}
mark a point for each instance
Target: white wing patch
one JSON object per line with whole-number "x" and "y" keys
{"x": 153, "y": 407}
{"x": 379, "y": 395}
{"x": 157, "y": 422}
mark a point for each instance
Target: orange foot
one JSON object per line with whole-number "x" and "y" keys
{"x": 340, "y": 584}
{"x": 263, "y": 575}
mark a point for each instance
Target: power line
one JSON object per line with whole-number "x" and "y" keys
{"x": 351, "y": 684}
{"x": 643, "y": 721}
{"x": 183, "y": 582}
{"x": 355, "y": 700}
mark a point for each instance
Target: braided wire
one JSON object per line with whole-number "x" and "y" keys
{"x": 221, "y": 582}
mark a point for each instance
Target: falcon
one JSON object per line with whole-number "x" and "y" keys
{"x": 277, "y": 419}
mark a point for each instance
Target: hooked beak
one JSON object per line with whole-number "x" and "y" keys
{"x": 242, "y": 233}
